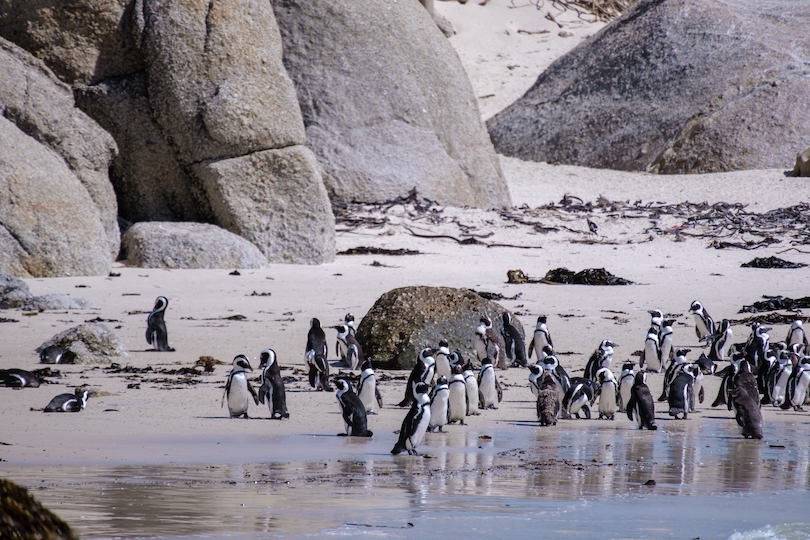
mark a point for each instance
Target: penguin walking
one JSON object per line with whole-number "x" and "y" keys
{"x": 681, "y": 396}
{"x": 515, "y": 348}
{"x": 439, "y": 405}
{"x": 349, "y": 347}
{"x": 156, "y": 333}
{"x": 651, "y": 355}
{"x": 423, "y": 371}
{"x": 19, "y": 378}
{"x": 316, "y": 355}
{"x": 535, "y": 378}
{"x": 489, "y": 389}
{"x": 541, "y": 338}
{"x": 272, "y": 387}
{"x": 641, "y": 405}
{"x": 352, "y": 410}
{"x": 238, "y": 389}
{"x": 415, "y": 424}
{"x": 627, "y": 378}
{"x": 601, "y": 358}
{"x": 471, "y": 383}
{"x": 442, "y": 357}
{"x": 608, "y": 391}
{"x": 367, "y": 389}
{"x": 704, "y": 324}
{"x": 747, "y": 414}
{"x": 69, "y": 402}
{"x": 579, "y": 397}
{"x": 457, "y": 398}
{"x": 548, "y": 401}
{"x": 656, "y": 321}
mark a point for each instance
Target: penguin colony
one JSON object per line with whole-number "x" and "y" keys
{"x": 443, "y": 388}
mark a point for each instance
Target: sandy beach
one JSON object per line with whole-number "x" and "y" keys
{"x": 150, "y": 442}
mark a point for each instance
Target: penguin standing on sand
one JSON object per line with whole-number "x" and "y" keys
{"x": 316, "y": 354}
{"x": 627, "y": 379}
{"x": 19, "y": 378}
{"x": 641, "y": 404}
{"x": 457, "y": 398}
{"x": 656, "y": 321}
{"x": 439, "y": 409}
{"x": 442, "y": 357}
{"x": 747, "y": 413}
{"x": 515, "y": 348}
{"x": 471, "y": 382}
{"x": 601, "y": 358}
{"x": 69, "y": 402}
{"x": 541, "y": 338}
{"x": 608, "y": 392}
{"x": 579, "y": 397}
{"x": 156, "y": 333}
{"x": 489, "y": 344}
{"x": 416, "y": 422}
{"x": 535, "y": 378}
{"x": 666, "y": 352}
{"x": 678, "y": 363}
{"x": 651, "y": 355}
{"x": 778, "y": 379}
{"x": 704, "y": 324}
{"x": 548, "y": 401}
{"x": 798, "y": 385}
{"x": 720, "y": 342}
{"x": 352, "y": 410}
{"x": 681, "y": 396}
{"x": 796, "y": 333}
{"x": 489, "y": 389}
{"x": 367, "y": 389}
{"x": 272, "y": 387}
{"x": 423, "y": 371}
{"x": 349, "y": 347}
{"x": 238, "y": 390}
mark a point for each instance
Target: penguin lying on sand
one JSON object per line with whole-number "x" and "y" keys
{"x": 69, "y": 402}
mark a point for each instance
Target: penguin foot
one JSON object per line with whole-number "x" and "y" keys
{"x": 342, "y": 434}
{"x": 493, "y": 407}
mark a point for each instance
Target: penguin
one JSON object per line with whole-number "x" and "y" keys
{"x": 698, "y": 390}
{"x": 471, "y": 383}
{"x": 69, "y": 402}
{"x": 439, "y": 401}
{"x": 352, "y": 410}
{"x": 656, "y": 321}
{"x": 608, "y": 390}
{"x": 727, "y": 383}
{"x": 720, "y": 342}
{"x": 666, "y": 352}
{"x": 627, "y": 379}
{"x": 489, "y": 344}
{"x": 238, "y": 389}
{"x": 778, "y": 379}
{"x": 489, "y": 389}
{"x": 348, "y": 320}
{"x": 548, "y": 401}
{"x": 798, "y": 385}
{"x": 535, "y": 378}
{"x": 579, "y": 397}
{"x": 796, "y": 333}
{"x": 542, "y": 337}
{"x": 423, "y": 371}
{"x": 706, "y": 365}
{"x": 416, "y": 422}
{"x": 19, "y": 378}
{"x": 547, "y": 351}
{"x": 641, "y": 403}
{"x": 515, "y": 348}
{"x": 704, "y": 324}
{"x": 552, "y": 366}
{"x": 756, "y": 353}
{"x": 673, "y": 370}
{"x": 367, "y": 389}
{"x": 601, "y": 358}
{"x": 442, "y": 357}
{"x": 747, "y": 413}
{"x": 651, "y": 355}
{"x": 53, "y": 354}
{"x": 681, "y": 394}
{"x": 349, "y": 348}
{"x": 316, "y": 354}
{"x": 457, "y": 399}
{"x": 272, "y": 387}
{"x": 340, "y": 344}
{"x": 156, "y": 334}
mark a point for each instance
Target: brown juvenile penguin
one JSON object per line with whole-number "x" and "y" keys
{"x": 548, "y": 401}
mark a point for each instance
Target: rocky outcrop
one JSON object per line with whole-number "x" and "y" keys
{"x": 22, "y": 516}
{"x": 158, "y": 244}
{"x": 675, "y": 86}
{"x": 14, "y": 293}
{"x": 404, "y": 321}
{"x": 802, "y": 167}
{"x": 386, "y": 103}
{"x": 89, "y": 343}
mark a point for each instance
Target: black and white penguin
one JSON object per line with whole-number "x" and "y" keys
{"x": 423, "y": 371}
{"x": 442, "y": 357}
{"x": 601, "y": 358}
{"x": 515, "y": 348}
{"x": 679, "y": 361}
{"x": 156, "y": 333}
{"x": 535, "y": 378}
{"x": 798, "y": 385}
{"x": 547, "y": 351}
{"x": 457, "y": 399}
{"x": 541, "y": 338}
{"x": 53, "y": 354}
{"x": 579, "y": 397}
{"x": 656, "y": 321}
{"x": 720, "y": 342}
{"x": 681, "y": 395}
{"x": 272, "y": 387}
{"x": 548, "y": 401}
{"x": 238, "y": 389}
{"x": 666, "y": 352}
{"x": 19, "y": 378}
{"x": 651, "y": 354}
{"x": 471, "y": 382}
{"x": 350, "y": 349}
{"x": 348, "y": 320}
{"x": 747, "y": 413}
{"x": 416, "y": 422}
{"x": 608, "y": 393}
{"x": 367, "y": 389}
{"x": 489, "y": 389}
{"x": 316, "y": 355}
{"x": 727, "y": 383}
{"x": 69, "y": 402}
{"x": 352, "y": 410}
{"x": 552, "y": 365}
{"x": 489, "y": 344}
{"x": 627, "y": 378}
{"x": 439, "y": 405}
{"x": 778, "y": 379}
{"x": 704, "y": 324}
{"x": 641, "y": 404}
{"x": 796, "y": 334}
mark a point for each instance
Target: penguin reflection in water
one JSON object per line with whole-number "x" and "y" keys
{"x": 416, "y": 422}
{"x": 238, "y": 390}
{"x": 272, "y": 387}
{"x": 352, "y": 410}
{"x": 156, "y": 333}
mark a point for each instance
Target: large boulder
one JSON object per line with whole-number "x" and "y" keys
{"x": 387, "y": 104}
{"x": 89, "y": 343}
{"x": 23, "y": 517}
{"x": 404, "y": 321}
{"x": 14, "y": 293}
{"x": 672, "y": 86}
{"x": 157, "y": 244}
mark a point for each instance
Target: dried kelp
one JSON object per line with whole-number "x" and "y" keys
{"x": 775, "y": 303}
{"x": 770, "y": 318}
{"x": 366, "y": 250}
{"x": 589, "y": 276}
{"x": 771, "y": 262}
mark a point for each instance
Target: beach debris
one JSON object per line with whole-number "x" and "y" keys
{"x": 7, "y": 320}
{"x": 589, "y": 276}
{"x": 775, "y": 303}
{"x": 771, "y": 262}
{"x": 208, "y": 363}
{"x": 254, "y": 293}
{"x": 496, "y": 296}
{"x": 367, "y": 250}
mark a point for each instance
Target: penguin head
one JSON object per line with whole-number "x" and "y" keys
{"x": 506, "y": 317}
{"x": 548, "y": 350}
{"x": 366, "y": 364}
{"x": 607, "y": 347}
{"x": 668, "y": 323}
{"x": 421, "y": 388}
{"x": 628, "y": 365}
{"x": 550, "y": 362}
{"x": 342, "y": 386}
{"x": 457, "y": 369}
{"x": 541, "y": 320}
{"x": 486, "y": 361}
{"x": 641, "y": 377}
{"x": 486, "y": 321}
{"x": 241, "y": 363}
{"x": 536, "y": 369}
{"x": 442, "y": 380}
{"x": 314, "y": 323}
{"x": 604, "y": 374}
{"x": 696, "y": 307}
{"x": 656, "y": 316}
{"x": 457, "y": 358}
{"x": 443, "y": 344}
{"x": 267, "y": 357}
{"x": 161, "y": 303}
{"x": 348, "y": 319}
{"x": 426, "y": 356}
{"x": 342, "y": 330}
{"x": 681, "y": 353}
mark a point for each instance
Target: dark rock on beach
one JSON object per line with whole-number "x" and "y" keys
{"x": 88, "y": 343}
{"x": 22, "y": 517}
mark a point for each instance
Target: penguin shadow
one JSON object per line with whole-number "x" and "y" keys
{"x": 524, "y": 423}
{"x": 229, "y": 418}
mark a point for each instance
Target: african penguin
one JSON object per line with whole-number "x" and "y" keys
{"x": 272, "y": 387}
{"x": 627, "y": 379}
{"x": 156, "y": 333}
{"x": 457, "y": 399}
{"x": 535, "y": 377}
{"x": 352, "y": 410}
{"x": 747, "y": 413}
{"x": 796, "y": 334}
{"x": 367, "y": 389}
{"x": 579, "y": 397}
{"x": 548, "y": 401}
{"x": 608, "y": 390}
{"x": 515, "y": 348}
{"x": 720, "y": 342}
{"x": 442, "y": 357}
{"x": 238, "y": 389}
{"x": 651, "y": 355}
{"x": 601, "y": 358}
{"x": 423, "y": 371}
{"x": 704, "y": 324}
{"x": 489, "y": 344}
{"x": 471, "y": 382}
{"x": 798, "y": 385}
{"x": 541, "y": 338}
{"x": 681, "y": 394}
{"x": 666, "y": 352}
{"x": 489, "y": 389}
{"x": 439, "y": 401}
{"x": 349, "y": 347}
{"x": 656, "y": 321}
{"x": 641, "y": 403}
{"x": 416, "y": 422}
{"x": 679, "y": 361}
{"x": 69, "y": 402}
{"x": 778, "y": 379}
{"x": 316, "y": 355}
{"x": 19, "y": 378}
{"x": 53, "y": 354}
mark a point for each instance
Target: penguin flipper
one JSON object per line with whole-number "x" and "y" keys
{"x": 480, "y": 399}
{"x": 499, "y": 390}
{"x": 225, "y": 393}
{"x": 378, "y": 396}
{"x": 701, "y": 395}
{"x": 531, "y": 348}
{"x": 631, "y": 404}
{"x": 253, "y": 393}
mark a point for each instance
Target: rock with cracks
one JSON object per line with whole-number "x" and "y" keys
{"x": 89, "y": 343}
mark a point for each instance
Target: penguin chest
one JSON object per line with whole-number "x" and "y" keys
{"x": 438, "y": 408}
{"x": 472, "y": 393}
{"x": 443, "y": 367}
{"x": 487, "y": 386}
{"x": 238, "y": 395}
{"x": 457, "y": 400}
{"x": 607, "y": 399}
{"x": 368, "y": 393}
{"x": 422, "y": 423}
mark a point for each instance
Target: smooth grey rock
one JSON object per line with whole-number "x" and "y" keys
{"x": 188, "y": 245}
{"x": 56, "y": 302}
{"x": 675, "y": 86}
{"x": 404, "y": 321}
{"x": 276, "y": 200}
{"x": 802, "y": 167}
{"x": 387, "y": 104}
{"x": 42, "y": 108}
{"x": 91, "y": 343}
{"x": 14, "y": 292}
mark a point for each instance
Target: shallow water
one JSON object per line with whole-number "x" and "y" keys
{"x": 584, "y": 483}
